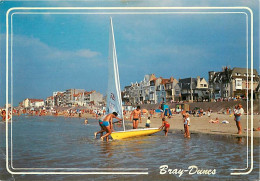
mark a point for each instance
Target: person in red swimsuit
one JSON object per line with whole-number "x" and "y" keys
{"x": 166, "y": 126}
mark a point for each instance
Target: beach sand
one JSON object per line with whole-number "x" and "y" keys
{"x": 201, "y": 124}
{"x": 197, "y": 124}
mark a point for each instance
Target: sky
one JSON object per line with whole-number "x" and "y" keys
{"x": 55, "y": 52}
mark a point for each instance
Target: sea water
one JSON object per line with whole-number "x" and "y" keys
{"x": 67, "y": 144}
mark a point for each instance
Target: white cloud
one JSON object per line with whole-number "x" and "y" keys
{"x": 34, "y": 47}
{"x": 86, "y": 53}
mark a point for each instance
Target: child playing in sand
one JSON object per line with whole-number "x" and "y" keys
{"x": 148, "y": 122}
{"x": 166, "y": 126}
{"x": 186, "y": 126}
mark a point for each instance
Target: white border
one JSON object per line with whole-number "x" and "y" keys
{"x": 126, "y": 8}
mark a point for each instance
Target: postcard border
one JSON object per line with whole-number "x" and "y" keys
{"x": 127, "y": 8}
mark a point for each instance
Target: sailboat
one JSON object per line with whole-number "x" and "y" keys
{"x": 114, "y": 101}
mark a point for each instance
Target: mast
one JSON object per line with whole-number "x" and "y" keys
{"x": 191, "y": 97}
{"x": 116, "y": 72}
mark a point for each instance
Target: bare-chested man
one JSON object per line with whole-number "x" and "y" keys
{"x": 107, "y": 124}
{"x": 136, "y": 115}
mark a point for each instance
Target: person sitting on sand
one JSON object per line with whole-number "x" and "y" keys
{"x": 107, "y": 124}
{"x": 166, "y": 126}
{"x": 186, "y": 126}
{"x": 148, "y": 122}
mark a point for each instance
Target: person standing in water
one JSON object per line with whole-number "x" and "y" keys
{"x": 238, "y": 114}
{"x": 166, "y": 126}
{"x": 186, "y": 126}
{"x": 136, "y": 115}
{"x": 107, "y": 124}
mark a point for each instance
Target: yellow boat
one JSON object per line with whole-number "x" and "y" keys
{"x": 133, "y": 133}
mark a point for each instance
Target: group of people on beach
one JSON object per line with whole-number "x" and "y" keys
{"x": 106, "y": 123}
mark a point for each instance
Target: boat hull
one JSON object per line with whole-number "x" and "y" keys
{"x": 133, "y": 133}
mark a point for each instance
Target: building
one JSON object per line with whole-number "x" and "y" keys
{"x": 230, "y": 83}
{"x": 194, "y": 89}
{"x": 147, "y": 89}
{"x": 49, "y": 102}
{"x": 32, "y": 103}
{"x": 172, "y": 89}
{"x": 151, "y": 90}
{"x": 93, "y": 97}
{"x": 71, "y": 96}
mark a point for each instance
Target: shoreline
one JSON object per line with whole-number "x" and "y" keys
{"x": 199, "y": 125}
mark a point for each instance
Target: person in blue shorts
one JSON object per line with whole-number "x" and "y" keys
{"x": 107, "y": 124}
{"x": 100, "y": 122}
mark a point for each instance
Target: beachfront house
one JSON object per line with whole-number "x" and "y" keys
{"x": 147, "y": 89}
{"x": 49, "y": 102}
{"x": 234, "y": 82}
{"x": 59, "y": 98}
{"x": 125, "y": 94}
{"x": 71, "y": 98}
{"x": 32, "y": 103}
{"x": 172, "y": 89}
{"x": 151, "y": 90}
{"x": 92, "y": 97}
{"x": 194, "y": 89}
{"x": 134, "y": 93}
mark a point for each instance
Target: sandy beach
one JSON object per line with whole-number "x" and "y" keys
{"x": 201, "y": 124}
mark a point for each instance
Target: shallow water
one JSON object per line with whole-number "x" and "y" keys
{"x": 66, "y": 144}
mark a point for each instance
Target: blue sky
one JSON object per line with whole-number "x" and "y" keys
{"x": 54, "y": 52}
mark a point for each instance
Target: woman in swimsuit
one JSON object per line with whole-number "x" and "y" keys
{"x": 166, "y": 126}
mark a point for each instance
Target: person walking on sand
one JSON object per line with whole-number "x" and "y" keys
{"x": 107, "y": 123}
{"x": 166, "y": 126}
{"x": 186, "y": 126}
{"x": 238, "y": 114}
{"x": 136, "y": 115}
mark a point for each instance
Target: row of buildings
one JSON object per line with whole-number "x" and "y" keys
{"x": 225, "y": 84}
{"x": 70, "y": 97}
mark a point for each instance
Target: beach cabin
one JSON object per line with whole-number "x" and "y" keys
{"x": 179, "y": 107}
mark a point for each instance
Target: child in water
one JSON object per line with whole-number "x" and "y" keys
{"x": 148, "y": 122}
{"x": 166, "y": 126}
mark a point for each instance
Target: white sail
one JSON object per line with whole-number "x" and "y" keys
{"x": 114, "y": 101}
